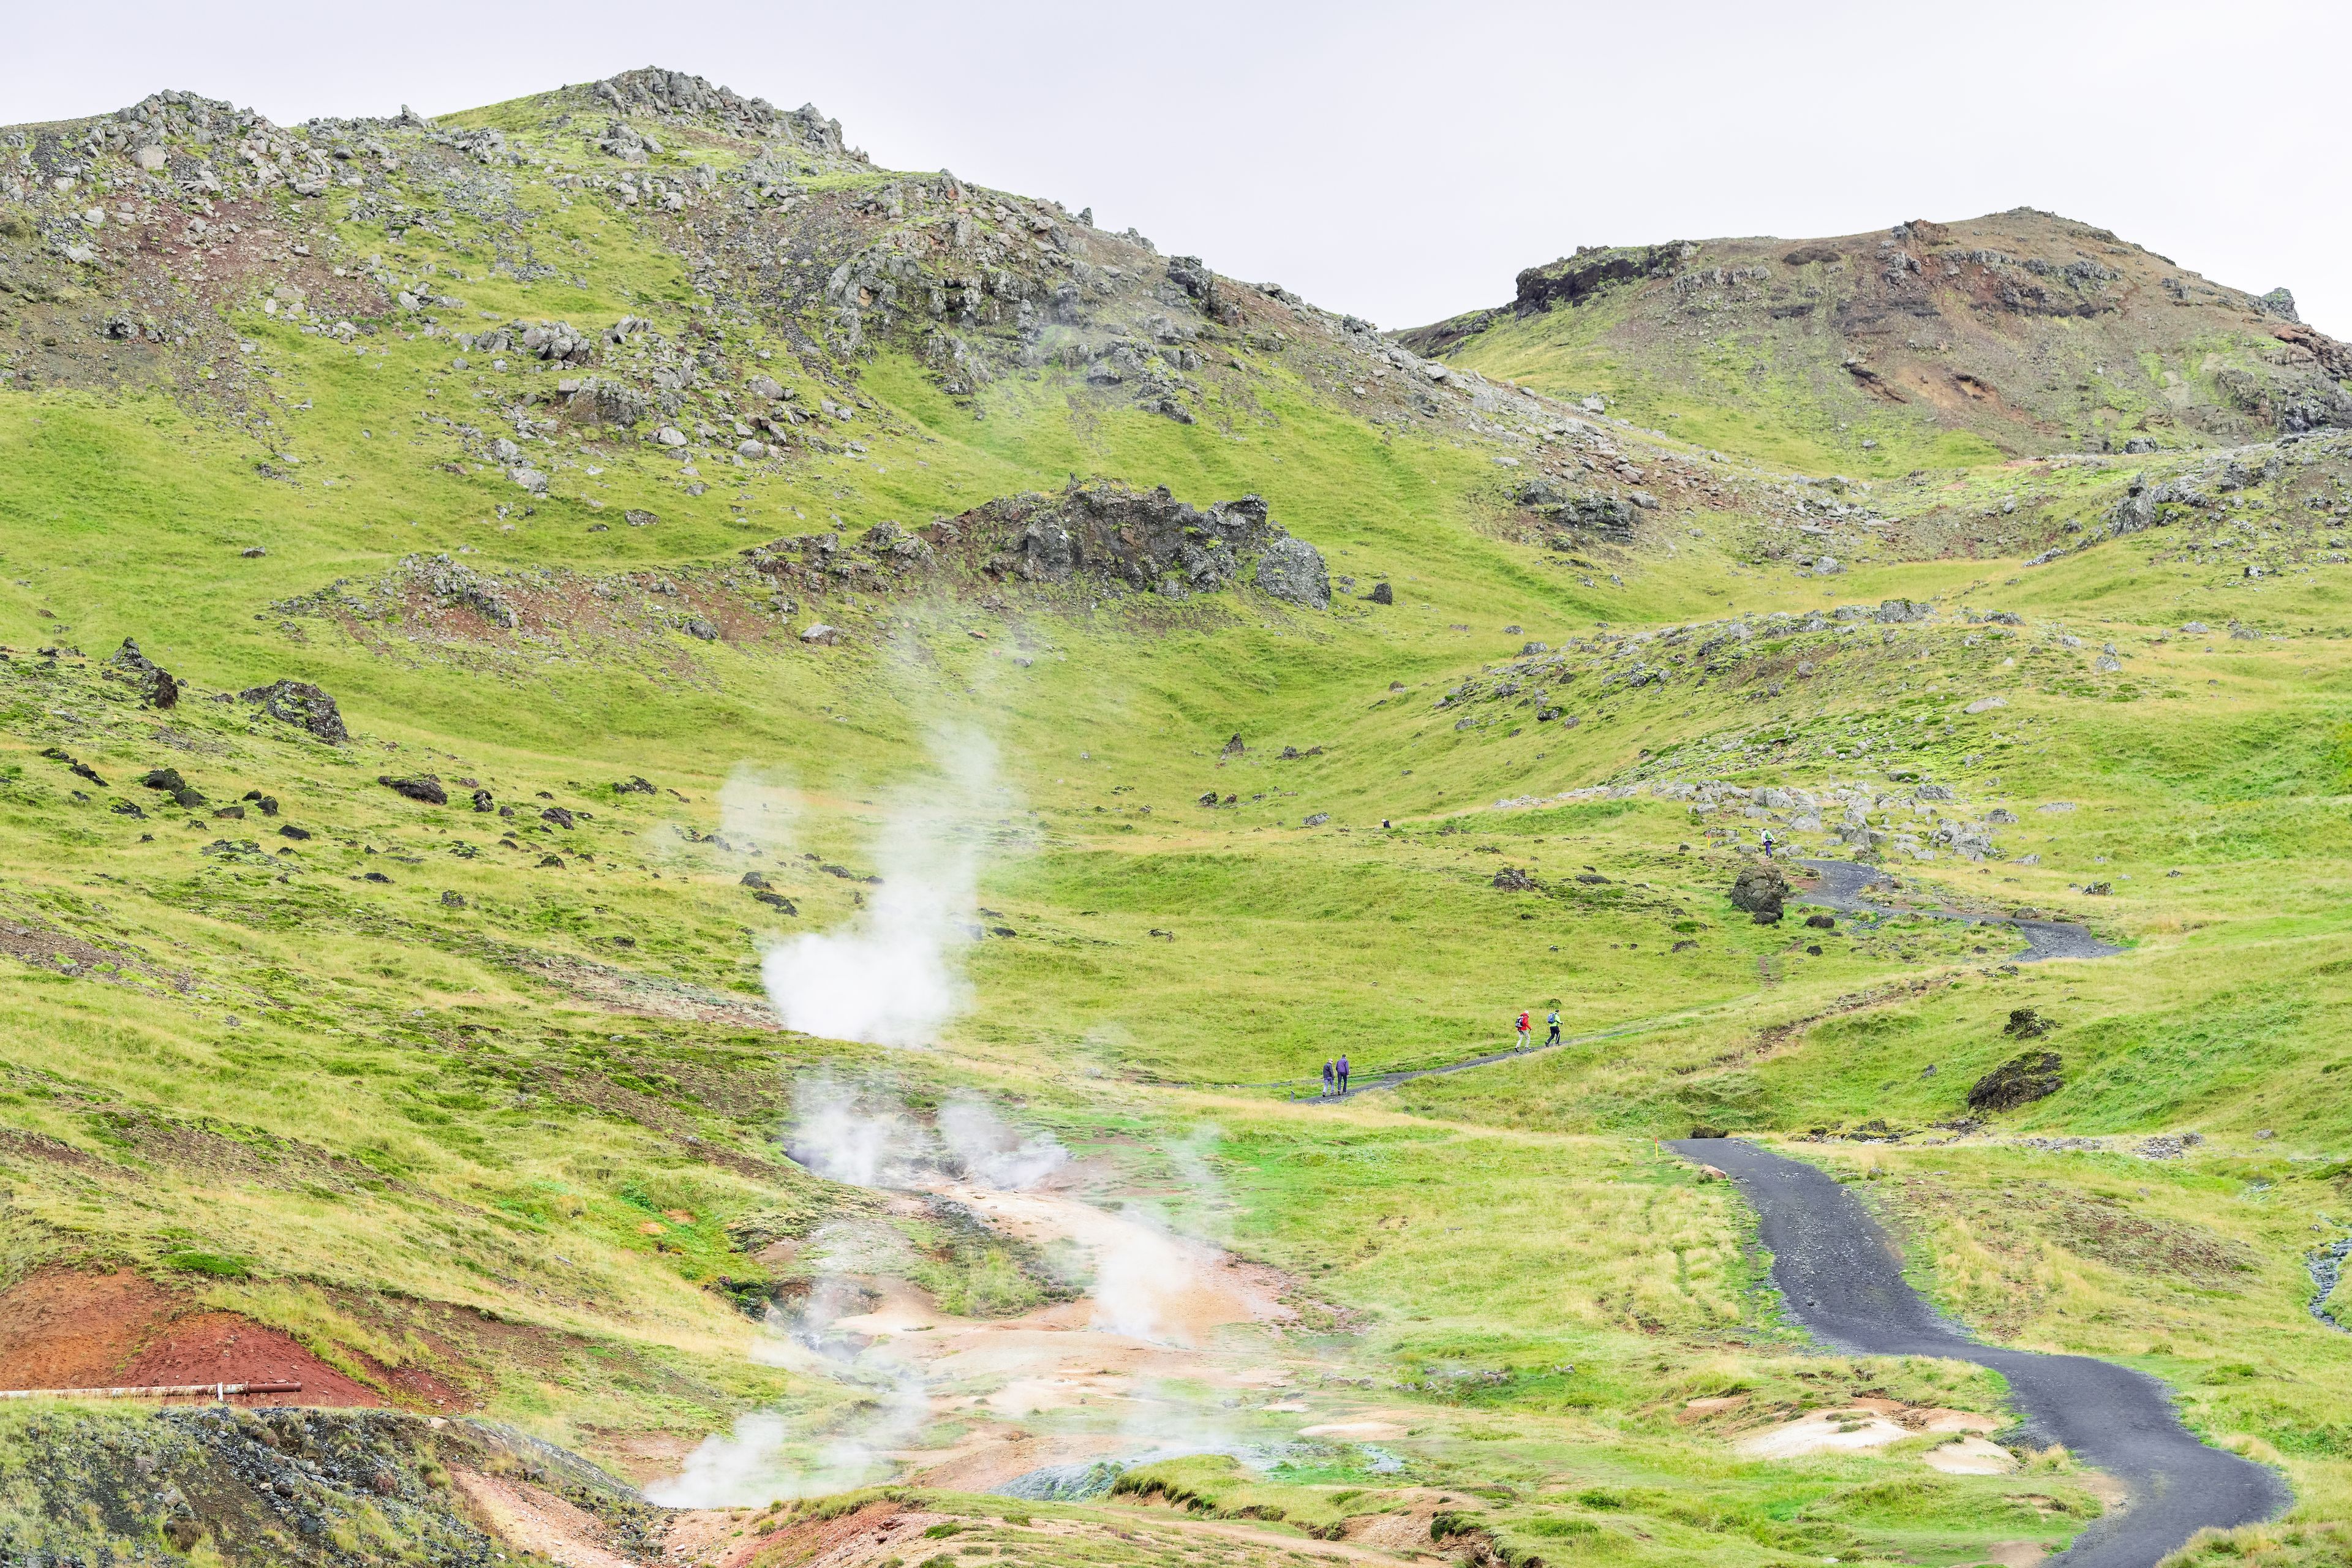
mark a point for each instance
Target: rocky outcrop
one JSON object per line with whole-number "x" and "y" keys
{"x": 302, "y": 705}
{"x": 1568, "y": 508}
{"x": 1575, "y": 279}
{"x": 155, "y": 684}
{"x": 2020, "y": 1080}
{"x": 1146, "y": 540}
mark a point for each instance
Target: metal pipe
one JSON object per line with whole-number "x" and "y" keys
{"x": 156, "y": 1391}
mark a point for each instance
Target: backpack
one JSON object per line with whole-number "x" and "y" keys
{"x": 1523, "y": 1020}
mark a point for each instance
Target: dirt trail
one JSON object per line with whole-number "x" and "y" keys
{"x": 1842, "y": 1280}
{"x": 1844, "y": 883}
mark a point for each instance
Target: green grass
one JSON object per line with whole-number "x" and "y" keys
{"x": 492, "y": 1091}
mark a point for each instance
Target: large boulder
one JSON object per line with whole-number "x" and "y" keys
{"x": 302, "y": 705}
{"x": 1292, "y": 569}
{"x": 2020, "y": 1080}
{"x": 1761, "y": 890}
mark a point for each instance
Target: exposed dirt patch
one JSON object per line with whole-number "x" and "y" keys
{"x": 62, "y": 952}
{"x": 532, "y": 1520}
{"x": 28, "y": 1145}
{"x": 1864, "y": 1424}
{"x": 65, "y": 1328}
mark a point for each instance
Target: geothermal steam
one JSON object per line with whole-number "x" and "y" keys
{"x": 892, "y": 976}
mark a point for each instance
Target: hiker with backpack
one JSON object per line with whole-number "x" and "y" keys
{"x": 1523, "y": 1031}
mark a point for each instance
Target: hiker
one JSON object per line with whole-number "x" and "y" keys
{"x": 1767, "y": 843}
{"x": 1553, "y": 1019}
{"x": 1327, "y": 1081}
{"x": 1523, "y": 1031}
{"x": 1343, "y": 1075}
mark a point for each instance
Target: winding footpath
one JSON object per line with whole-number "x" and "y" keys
{"x": 1842, "y": 1280}
{"x": 1843, "y": 886}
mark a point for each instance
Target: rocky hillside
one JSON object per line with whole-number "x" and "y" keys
{"x": 682, "y": 822}
{"x": 2018, "y": 333}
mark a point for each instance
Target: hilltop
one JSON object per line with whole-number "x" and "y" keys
{"x": 683, "y": 820}
{"x": 2014, "y": 335}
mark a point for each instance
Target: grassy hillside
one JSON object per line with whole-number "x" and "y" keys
{"x": 470, "y": 1113}
{"x": 1925, "y": 344}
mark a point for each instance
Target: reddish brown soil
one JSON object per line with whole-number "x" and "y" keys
{"x": 69, "y": 1329}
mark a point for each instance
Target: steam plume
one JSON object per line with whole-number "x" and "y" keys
{"x": 892, "y": 976}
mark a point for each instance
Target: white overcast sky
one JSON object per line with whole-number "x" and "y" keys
{"x": 1401, "y": 162}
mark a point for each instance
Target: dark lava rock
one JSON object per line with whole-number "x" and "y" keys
{"x": 2020, "y": 1080}
{"x": 374, "y": 877}
{"x": 635, "y": 786}
{"x": 753, "y": 879}
{"x": 289, "y": 831}
{"x": 187, "y": 798}
{"x": 482, "y": 801}
{"x": 168, "y": 780}
{"x": 775, "y": 900}
{"x": 558, "y": 815}
{"x": 453, "y": 901}
{"x": 1148, "y": 541}
{"x": 155, "y": 684}
{"x": 1233, "y": 748}
{"x": 1510, "y": 879}
{"x": 1761, "y": 890}
{"x": 1382, "y": 594}
{"x": 425, "y": 788}
{"x": 2025, "y": 1024}
{"x": 554, "y": 860}
{"x": 1821, "y": 923}
{"x": 126, "y": 808}
{"x": 302, "y": 705}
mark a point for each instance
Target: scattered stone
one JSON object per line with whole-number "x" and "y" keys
{"x": 424, "y": 787}
{"x": 1382, "y": 594}
{"x": 554, "y": 860}
{"x": 1986, "y": 705}
{"x": 753, "y": 879}
{"x": 775, "y": 900}
{"x": 453, "y": 901}
{"x": 1233, "y": 748}
{"x": 558, "y": 815}
{"x": 302, "y": 705}
{"x": 2025, "y": 1023}
{"x": 1512, "y": 880}
{"x": 1821, "y": 923}
{"x": 821, "y": 635}
{"x": 636, "y": 785}
{"x": 288, "y": 830}
{"x": 2020, "y": 1080}
{"x": 482, "y": 801}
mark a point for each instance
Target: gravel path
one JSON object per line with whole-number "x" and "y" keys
{"x": 1842, "y": 1280}
{"x": 1844, "y": 884}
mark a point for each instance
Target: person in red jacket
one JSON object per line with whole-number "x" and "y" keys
{"x": 1523, "y": 1031}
